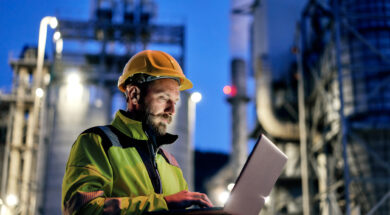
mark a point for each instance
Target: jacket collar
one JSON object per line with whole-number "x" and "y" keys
{"x": 134, "y": 129}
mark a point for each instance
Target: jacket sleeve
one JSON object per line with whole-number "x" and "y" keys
{"x": 88, "y": 183}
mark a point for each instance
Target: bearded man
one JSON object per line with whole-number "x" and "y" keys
{"x": 120, "y": 168}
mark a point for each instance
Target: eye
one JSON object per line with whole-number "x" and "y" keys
{"x": 163, "y": 98}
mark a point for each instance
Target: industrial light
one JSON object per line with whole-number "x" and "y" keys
{"x": 57, "y": 36}
{"x": 267, "y": 200}
{"x": 46, "y": 79}
{"x": 39, "y": 92}
{"x": 196, "y": 97}
{"x": 12, "y": 200}
{"x": 73, "y": 79}
{"x": 223, "y": 197}
{"x": 74, "y": 87}
{"x": 229, "y": 90}
{"x": 59, "y": 46}
{"x": 53, "y": 22}
{"x": 230, "y": 186}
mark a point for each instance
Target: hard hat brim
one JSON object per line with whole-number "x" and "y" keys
{"x": 185, "y": 83}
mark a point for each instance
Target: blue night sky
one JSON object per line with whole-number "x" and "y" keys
{"x": 207, "y": 51}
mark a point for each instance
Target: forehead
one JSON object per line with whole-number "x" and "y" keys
{"x": 165, "y": 85}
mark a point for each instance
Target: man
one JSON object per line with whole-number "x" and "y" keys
{"x": 120, "y": 168}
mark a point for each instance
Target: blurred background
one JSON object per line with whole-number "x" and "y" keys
{"x": 312, "y": 75}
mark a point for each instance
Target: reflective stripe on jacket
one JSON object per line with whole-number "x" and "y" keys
{"x": 106, "y": 178}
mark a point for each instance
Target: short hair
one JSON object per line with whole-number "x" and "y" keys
{"x": 138, "y": 80}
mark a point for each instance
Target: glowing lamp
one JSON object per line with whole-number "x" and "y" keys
{"x": 196, "y": 97}
{"x": 230, "y": 90}
{"x": 12, "y": 200}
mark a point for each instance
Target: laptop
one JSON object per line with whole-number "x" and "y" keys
{"x": 259, "y": 174}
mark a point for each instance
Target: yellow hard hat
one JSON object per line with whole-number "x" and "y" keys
{"x": 157, "y": 64}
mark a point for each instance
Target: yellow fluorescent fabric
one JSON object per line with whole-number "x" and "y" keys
{"x": 115, "y": 181}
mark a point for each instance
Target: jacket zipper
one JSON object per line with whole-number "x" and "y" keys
{"x": 153, "y": 160}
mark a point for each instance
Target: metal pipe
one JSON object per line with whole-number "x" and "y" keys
{"x": 6, "y": 158}
{"x": 343, "y": 121}
{"x": 27, "y": 164}
{"x": 33, "y": 119}
{"x": 267, "y": 117}
{"x": 191, "y": 140}
{"x": 239, "y": 116}
{"x": 306, "y": 205}
{"x": 17, "y": 137}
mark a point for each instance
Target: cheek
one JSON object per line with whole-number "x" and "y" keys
{"x": 155, "y": 107}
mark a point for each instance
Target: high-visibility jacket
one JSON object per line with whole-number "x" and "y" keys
{"x": 124, "y": 177}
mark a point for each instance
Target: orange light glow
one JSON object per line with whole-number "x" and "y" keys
{"x": 227, "y": 89}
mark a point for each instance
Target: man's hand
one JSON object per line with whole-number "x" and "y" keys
{"x": 186, "y": 199}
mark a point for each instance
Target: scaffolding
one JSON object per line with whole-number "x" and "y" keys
{"x": 25, "y": 138}
{"x": 344, "y": 53}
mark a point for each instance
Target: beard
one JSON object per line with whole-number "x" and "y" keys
{"x": 156, "y": 123}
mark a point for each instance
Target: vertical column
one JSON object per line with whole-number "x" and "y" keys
{"x": 17, "y": 135}
{"x": 27, "y": 163}
{"x": 343, "y": 121}
{"x": 239, "y": 47}
{"x": 239, "y": 119}
{"x": 306, "y": 203}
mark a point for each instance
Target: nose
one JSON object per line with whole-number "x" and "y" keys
{"x": 170, "y": 108}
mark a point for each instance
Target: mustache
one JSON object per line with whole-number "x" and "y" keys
{"x": 162, "y": 115}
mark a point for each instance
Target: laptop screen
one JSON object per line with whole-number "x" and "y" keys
{"x": 258, "y": 176}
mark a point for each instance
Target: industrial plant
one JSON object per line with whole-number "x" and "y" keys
{"x": 321, "y": 70}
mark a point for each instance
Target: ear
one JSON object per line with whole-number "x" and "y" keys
{"x": 133, "y": 95}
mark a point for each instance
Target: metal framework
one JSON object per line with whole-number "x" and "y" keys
{"x": 134, "y": 32}
{"x": 344, "y": 58}
{"x": 23, "y": 152}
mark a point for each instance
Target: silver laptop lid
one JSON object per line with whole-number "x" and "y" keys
{"x": 258, "y": 176}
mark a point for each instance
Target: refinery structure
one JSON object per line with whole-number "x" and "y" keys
{"x": 322, "y": 77}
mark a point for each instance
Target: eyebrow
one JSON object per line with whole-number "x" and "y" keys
{"x": 166, "y": 94}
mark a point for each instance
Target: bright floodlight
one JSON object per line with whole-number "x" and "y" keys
{"x": 53, "y": 22}
{"x": 57, "y": 36}
{"x": 39, "y": 92}
{"x": 223, "y": 197}
{"x": 74, "y": 87}
{"x": 59, "y": 46}
{"x": 196, "y": 97}
{"x": 230, "y": 186}
{"x": 73, "y": 78}
{"x": 267, "y": 200}
{"x": 12, "y": 200}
